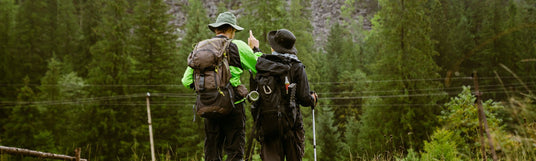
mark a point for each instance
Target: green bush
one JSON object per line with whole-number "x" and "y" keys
{"x": 461, "y": 117}
{"x": 412, "y": 156}
{"x": 441, "y": 147}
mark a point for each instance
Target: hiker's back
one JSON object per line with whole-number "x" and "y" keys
{"x": 276, "y": 104}
{"x": 210, "y": 61}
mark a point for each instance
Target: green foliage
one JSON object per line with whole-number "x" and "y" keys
{"x": 20, "y": 125}
{"x": 196, "y": 30}
{"x": 405, "y": 54}
{"x": 111, "y": 64}
{"x": 302, "y": 29}
{"x": 7, "y": 17}
{"x": 442, "y": 146}
{"x": 154, "y": 59}
{"x": 67, "y": 33}
{"x": 351, "y": 139}
{"x": 519, "y": 120}
{"x": 263, "y": 16}
{"x": 49, "y": 88}
{"x": 75, "y": 74}
{"x": 155, "y": 63}
{"x": 412, "y": 156}
{"x": 328, "y": 143}
{"x": 91, "y": 12}
{"x": 489, "y": 33}
{"x": 461, "y": 117}
{"x": 33, "y": 39}
{"x": 352, "y": 80}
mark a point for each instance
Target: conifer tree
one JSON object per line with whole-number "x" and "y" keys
{"x": 23, "y": 123}
{"x": 154, "y": 45}
{"x": 514, "y": 28}
{"x": 300, "y": 15}
{"x": 67, "y": 34}
{"x": 526, "y": 15}
{"x": 91, "y": 12}
{"x": 190, "y": 143}
{"x": 488, "y": 30}
{"x": 7, "y": 15}
{"x": 350, "y": 141}
{"x": 262, "y": 17}
{"x": 49, "y": 89}
{"x": 348, "y": 80}
{"x": 156, "y": 66}
{"x": 58, "y": 114}
{"x": 328, "y": 138}
{"x": 404, "y": 68}
{"x": 111, "y": 63}
{"x": 477, "y": 39}
{"x": 196, "y": 30}
{"x": 299, "y": 25}
{"x": 33, "y": 39}
{"x": 111, "y": 59}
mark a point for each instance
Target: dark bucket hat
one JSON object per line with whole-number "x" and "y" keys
{"x": 225, "y": 18}
{"x": 282, "y": 41}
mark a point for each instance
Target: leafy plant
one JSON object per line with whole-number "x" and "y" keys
{"x": 441, "y": 147}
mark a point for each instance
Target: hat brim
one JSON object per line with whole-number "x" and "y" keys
{"x": 213, "y": 26}
{"x": 278, "y": 48}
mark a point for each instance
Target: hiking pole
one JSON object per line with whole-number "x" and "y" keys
{"x": 314, "y": 133}
{"x": 150, "y": 126}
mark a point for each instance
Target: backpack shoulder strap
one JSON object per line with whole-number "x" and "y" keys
{"x": 225, "y": 50}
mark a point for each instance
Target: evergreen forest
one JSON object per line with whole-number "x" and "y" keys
{"x": 77, "y": 73}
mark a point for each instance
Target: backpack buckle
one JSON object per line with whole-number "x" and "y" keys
{"x": 269, "y": 91}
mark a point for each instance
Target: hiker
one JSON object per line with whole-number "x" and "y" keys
{"x": 214, "y": 69}
{"x": 282, "y": 84}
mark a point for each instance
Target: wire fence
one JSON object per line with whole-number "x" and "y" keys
{"x": 188, "y": 99}
{"x": 175, "y": 85}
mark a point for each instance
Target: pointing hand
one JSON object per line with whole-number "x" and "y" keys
{"x": 252, "y": 41}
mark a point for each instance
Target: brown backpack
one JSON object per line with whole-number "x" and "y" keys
{"x": 210, "y": 61}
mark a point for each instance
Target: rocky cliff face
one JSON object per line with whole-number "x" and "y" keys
{"x": 324, "y": 14}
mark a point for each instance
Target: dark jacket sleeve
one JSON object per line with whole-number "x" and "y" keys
{"x": 234, "y": 56}
{"x": 303, "y": 95}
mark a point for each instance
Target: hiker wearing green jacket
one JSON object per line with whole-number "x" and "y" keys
{"x": 228, "y": 133}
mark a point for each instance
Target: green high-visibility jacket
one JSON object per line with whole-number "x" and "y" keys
{"x": 248, "y": 60}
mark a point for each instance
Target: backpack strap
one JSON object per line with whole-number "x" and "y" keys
{"x": 201, "y": 81}
{"x": 223, "y": 51}
{"x": 230, "y": 89}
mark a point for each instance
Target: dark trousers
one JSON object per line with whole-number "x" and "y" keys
{"x": 290, "y": 145}
{"x": 227, "y": 134}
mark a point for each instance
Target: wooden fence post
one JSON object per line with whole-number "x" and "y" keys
{"x": 77, "y": 154}
{"x": 483, "y": 121}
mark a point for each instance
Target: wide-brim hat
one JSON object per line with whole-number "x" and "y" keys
{"x": 282, "y": 41}
{"x": 225, "y": 18}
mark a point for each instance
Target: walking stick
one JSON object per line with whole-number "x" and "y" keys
{"x": 314, "y": 133}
